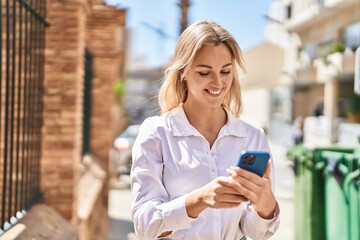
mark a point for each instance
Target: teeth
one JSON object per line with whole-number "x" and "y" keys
{"x": 215, "y": 92}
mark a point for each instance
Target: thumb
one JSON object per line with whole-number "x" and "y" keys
{"x": 267, "y": 171}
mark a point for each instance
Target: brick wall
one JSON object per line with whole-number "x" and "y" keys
{"x": 104, "y": 28}
{"x": 74, "y": 26}
{"x": 62, "y": 102}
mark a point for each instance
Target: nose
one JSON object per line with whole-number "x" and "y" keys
{"x": 217, "y": 80}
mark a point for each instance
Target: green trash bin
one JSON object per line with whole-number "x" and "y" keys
{"x": 351, "y": 187}
{"x": 357, "y": 184}
{"x": 309, "y": 195}
{"x": 341, "y": 193}
{"x": 310, "y": 190}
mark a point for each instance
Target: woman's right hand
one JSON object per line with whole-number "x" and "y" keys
{"x": 222, "y": 192}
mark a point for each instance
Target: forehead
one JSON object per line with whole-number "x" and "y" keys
{"x": 212, "y": 55}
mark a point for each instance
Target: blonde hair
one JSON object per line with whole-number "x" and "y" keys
{"x": 173, "y": 90}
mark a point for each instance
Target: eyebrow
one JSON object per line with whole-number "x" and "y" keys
{"x": 207, "y": 66}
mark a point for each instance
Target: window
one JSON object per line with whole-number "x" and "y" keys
{"x": 352, "y": 36}
{"x": 288, "y": 11}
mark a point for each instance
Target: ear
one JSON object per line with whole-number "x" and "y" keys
{"x": 182, "y": 76}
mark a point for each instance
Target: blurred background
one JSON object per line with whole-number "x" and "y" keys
{"x": 79, "y": 76}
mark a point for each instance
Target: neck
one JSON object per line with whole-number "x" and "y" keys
{"x": 207, "y": 121}
{"x": 205, "y": 117}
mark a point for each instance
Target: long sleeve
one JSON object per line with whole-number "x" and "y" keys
{"x": 152, "y": 210}
{"x": 258, "y": 228}
{"x": 251, "y": 223}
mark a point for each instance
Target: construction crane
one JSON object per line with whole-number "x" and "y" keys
{"x": 184, "y": 8}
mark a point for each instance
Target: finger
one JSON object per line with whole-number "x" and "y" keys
{"x": 231, "y": 172}
{"x": 247, "y": 175}
{"x": 233, "y": 198}
{"x": 229, "y": 183}
{"x": 249, "y": 190}
{"x": 227, "y": 199}
{"x": 249, "y": 185}
{"x": 249, "y": 193}
{"x": 232, "y": 186}
{"x": 267, "y": 171}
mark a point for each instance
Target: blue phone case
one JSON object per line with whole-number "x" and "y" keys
{"x": 254, "y": 161}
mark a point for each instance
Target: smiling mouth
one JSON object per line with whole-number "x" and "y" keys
{"x": 214, "y": 92}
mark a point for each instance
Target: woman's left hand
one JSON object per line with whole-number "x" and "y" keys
{"x": 257, "y": 190}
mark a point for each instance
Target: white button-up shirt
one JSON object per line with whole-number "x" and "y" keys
{"x": 170, "y": 159}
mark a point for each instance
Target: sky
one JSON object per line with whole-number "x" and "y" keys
{"x": 243, "y": 19}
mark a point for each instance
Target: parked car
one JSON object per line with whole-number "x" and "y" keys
{"x": 122, "y": 147}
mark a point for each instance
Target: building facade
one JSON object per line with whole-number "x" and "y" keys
{"x": 329, "y": 34}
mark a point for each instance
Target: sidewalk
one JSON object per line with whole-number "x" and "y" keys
{"x": 119, "y": 201}
{"x": 120, "y": 222}
{"x": 284, "y": 192}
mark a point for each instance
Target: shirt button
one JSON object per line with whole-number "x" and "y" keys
{"x": 213, "y": 169}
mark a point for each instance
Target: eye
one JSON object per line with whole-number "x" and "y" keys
{"x": 203, "y": 73}
{"x": 225, "y": 72}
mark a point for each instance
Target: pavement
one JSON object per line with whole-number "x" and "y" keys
{"x": 122, "y": 228}
{"x": 284, "y": 193}
{"x": 120, "y": 222}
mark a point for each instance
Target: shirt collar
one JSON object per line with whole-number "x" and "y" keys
{"x": 181, "y": 126}
{"x": 233, "y": 127}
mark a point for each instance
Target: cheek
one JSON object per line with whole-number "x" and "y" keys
{"x": 228, "y": 80}
{"x": 193, "y": 85}
{"x": 195, "y": 82}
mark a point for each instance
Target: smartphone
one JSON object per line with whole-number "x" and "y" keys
{"x": 254, "y": 161}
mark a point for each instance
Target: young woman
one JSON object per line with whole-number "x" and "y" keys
{"x": 183, "y": 180}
